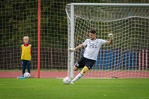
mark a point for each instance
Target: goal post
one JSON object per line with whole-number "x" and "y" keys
{"x": 71, "y": 43}
{"x": 128, "y": 56}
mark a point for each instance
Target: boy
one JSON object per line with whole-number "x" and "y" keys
{"x": 26, "y": 53}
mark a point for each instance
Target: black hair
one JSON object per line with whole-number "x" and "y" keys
{"x": 92, "y": 31}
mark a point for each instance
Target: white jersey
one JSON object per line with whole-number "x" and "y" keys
{"x": 92, "y": 48}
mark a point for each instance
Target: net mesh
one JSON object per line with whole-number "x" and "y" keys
{"x": 128, "y": 55}
{"x": 17, "y": 19}
{"x": 53, "y": 36}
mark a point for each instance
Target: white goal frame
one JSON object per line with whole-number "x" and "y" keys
{"x": 71, "y": 42}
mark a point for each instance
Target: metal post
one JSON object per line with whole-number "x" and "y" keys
{"x": 72, "y": 41}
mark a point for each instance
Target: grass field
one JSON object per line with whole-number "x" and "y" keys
{"x": 11, "y": 88}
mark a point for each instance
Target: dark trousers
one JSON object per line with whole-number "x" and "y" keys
{"x": 26, "y": 63}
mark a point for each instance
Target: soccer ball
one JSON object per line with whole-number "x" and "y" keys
{"x": 27, "y": 75}
{"x": 66, "y": 80}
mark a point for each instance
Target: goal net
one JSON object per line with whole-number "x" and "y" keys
{"x": 128, "y": 56}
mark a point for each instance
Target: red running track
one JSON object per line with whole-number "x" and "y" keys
{"x": 92, "y": 74}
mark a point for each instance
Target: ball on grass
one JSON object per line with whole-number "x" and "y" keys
{"x": 27, "y": 75}
{"x": 66, "y": 80}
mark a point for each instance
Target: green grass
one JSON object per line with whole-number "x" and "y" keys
{"x": 83, "y": 89}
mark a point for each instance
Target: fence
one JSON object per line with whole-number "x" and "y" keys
{"x": 122, "y": 60}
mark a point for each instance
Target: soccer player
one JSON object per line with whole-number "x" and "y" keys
{"x": 92, "y": 46}
{"x": 26, "y": 53}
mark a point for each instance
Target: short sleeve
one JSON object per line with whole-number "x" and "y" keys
{"x": 85, "y": 42}
{"x": 102, "y": 41}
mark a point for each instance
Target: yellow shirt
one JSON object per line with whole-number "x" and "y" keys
{"x": 26, "y": 52}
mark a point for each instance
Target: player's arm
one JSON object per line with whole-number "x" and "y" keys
{"x": 79, "y": 46}
{"x": 109, "y": 41}
{"x": 110, "y": 35}
{"x": 76, "y": 48}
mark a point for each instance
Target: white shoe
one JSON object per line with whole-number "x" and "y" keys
{"x": 71, "y": 82}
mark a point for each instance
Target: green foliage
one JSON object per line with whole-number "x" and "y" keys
{"x": 19, "y": 18}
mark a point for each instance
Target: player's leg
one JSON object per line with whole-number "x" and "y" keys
{"x": 75, "y": 68}
{"x": 28, "y": 66}
{"x": 88, "y": 65}
{"x": 79, "y": 64}
{"x": 23, "y": 66}
{"x": 84, "y": 70}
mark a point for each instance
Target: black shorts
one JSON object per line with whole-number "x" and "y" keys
{"x": 85, "y": 62}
